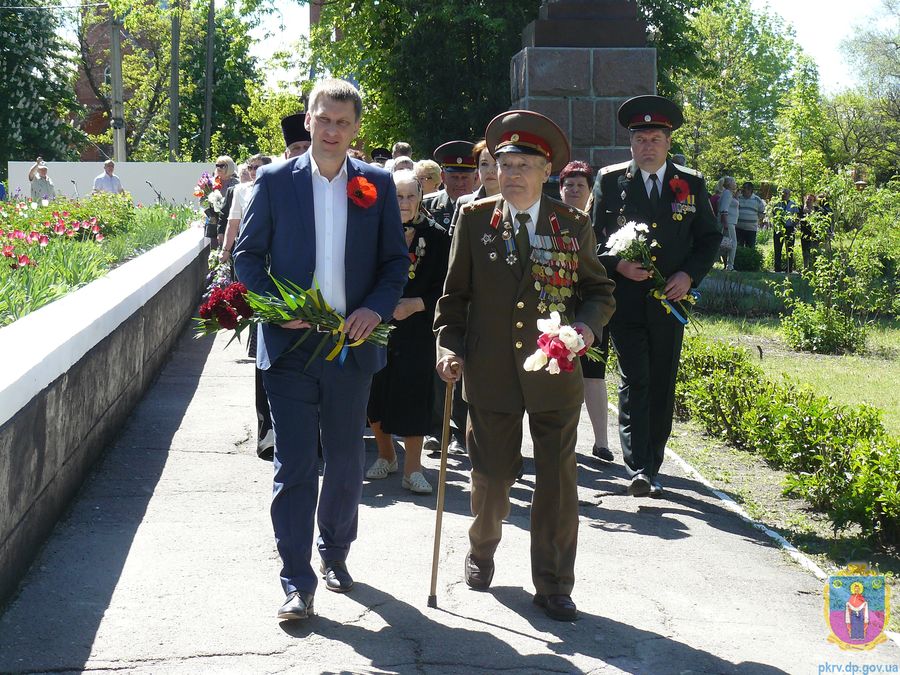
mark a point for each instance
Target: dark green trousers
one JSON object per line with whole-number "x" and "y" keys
{"x": 494, "y": 441}
{"x": 648, "y": 364}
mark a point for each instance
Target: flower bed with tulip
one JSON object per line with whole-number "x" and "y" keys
{"x": 48, "y": 249}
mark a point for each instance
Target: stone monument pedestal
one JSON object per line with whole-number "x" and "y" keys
{"x": 580, "y": 60}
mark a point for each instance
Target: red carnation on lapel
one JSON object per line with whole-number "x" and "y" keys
{"x": 680, "y": 187}
{"x": 362, "y": 192}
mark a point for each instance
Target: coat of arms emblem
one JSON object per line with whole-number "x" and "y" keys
{"x": 857, "y": 607}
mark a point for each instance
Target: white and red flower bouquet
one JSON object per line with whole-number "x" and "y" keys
{"x": 558, "y": 347}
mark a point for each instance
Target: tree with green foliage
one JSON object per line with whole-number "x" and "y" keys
{"x": 801, "y": 154}
{"x": 145, "y": 70}
{"x": 37, "y": 90}
{"x": 429, "y": 72}
{"x": 732, "y": 104}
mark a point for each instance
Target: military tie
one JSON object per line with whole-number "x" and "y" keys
{"x": 654, "y": 191}
{"x": 522, "y": 244}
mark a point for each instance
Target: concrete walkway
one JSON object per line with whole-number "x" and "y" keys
{"x": 166, "y": 564}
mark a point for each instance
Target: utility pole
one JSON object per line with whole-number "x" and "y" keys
{"x": 118, "y": 95}
{"x": 173, "y": 81}
{"x": 210, "y": 66}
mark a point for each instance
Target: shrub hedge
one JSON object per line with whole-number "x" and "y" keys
{"x": 839, "y": 458}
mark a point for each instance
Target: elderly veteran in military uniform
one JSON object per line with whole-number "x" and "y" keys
{"x": 672, "y": 200}
{"x": 514, "y": 258}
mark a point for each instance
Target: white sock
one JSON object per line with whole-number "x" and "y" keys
{"x": 595, "y": 400}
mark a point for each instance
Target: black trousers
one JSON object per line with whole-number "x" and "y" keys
{"x": 648, "y": 365}
{"x": 784, "y": 239}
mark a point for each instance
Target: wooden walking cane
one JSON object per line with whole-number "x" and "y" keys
{"x": 442, "y": 482}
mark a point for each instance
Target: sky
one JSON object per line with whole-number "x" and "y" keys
{"x": 820, "y": 26}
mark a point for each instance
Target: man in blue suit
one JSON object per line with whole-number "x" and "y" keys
{"x": 324, "y": 219}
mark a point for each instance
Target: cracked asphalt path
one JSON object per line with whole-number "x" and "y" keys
{"x": 166, "y": 564}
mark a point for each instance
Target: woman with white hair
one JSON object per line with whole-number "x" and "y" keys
{"x": 402, "y": 394}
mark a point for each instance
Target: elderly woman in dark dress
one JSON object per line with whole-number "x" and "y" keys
{"x": 576, "y": 182}
{"x": 402, "y": 394}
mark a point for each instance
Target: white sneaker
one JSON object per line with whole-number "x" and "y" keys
{"x": 417, "y": 484}
{"x": 381, "y": 468}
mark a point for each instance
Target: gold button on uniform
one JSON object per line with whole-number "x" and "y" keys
{"x": 519, "y": 324}
{"x": 653, "y": 225}
{"x": 518, "y": 344}
{"x": 653, "y": 258}
{"x": 520, "y": 304}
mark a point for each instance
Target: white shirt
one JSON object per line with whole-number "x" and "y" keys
{"x": 532, "y": 211}
{"x": 660, "y": 172}
{"x": 330, "y": 208}
{"x": 106, "y": 183}
{"x": 240, "y": 197}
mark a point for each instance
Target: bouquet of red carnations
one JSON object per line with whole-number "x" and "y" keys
{"x": 234, "y": 307}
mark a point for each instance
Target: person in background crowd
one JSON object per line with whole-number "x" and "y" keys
{"x": 729, "y": 209}
{"x": 401, "y": 149}
{"x": 380, "y": 156}
{"x": 244, "y": 174}
{"x": 301, "y": 227}
{"x": 679, "y": 159}
{"x": 487, "y": 175}
{"x": 458, "y": 173}
{"x": 226, "y": 175}
{"x": 576, "y": 181}
{"x": 240, "y": 197}
{"x": 785, "y": 214}
{"x": 402, "y": 163}
{"x": 356, "y": 154}
{"x": 751, "y": 216}
{"x": 108, "y": 181}
{"x": 402, "y": 393}
{"x": 429, "y": 174}
{"x": 486, "y": 325}
{"x": 672, "y": 201}
{"x": 815, "y": 222}
{"x": 296, "y": 137}
{"x": 41, "y": 184}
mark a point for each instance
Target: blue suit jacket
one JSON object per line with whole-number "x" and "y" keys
{"x": 279, "y": 236}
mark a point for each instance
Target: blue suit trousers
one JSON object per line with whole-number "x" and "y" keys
{"x": 324, "y": 398}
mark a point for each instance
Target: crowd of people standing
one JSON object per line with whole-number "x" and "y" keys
{"x": 462, "y": 252}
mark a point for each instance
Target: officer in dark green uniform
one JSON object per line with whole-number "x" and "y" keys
{"x": 673, "y": 202}
{"x": 458, "y": 173}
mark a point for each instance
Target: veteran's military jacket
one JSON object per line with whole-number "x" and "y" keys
{"x": 489, "y": 310}
{"x": 439, "y": 205}
{"x": 683, "y": 225}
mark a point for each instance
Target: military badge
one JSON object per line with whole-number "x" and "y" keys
{"x": 554, "y": 267}
{"x": 416, "y": 257}
{"x": 487, "y": 239}
{"x": 857, "y": 607}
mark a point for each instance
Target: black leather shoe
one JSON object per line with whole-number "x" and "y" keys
{"x": 640, "y": 486}
{"x": 559, "y": 607}
{"x": 656, "y": 489}
{"x": 336, "y": 576}
{"x": 297, "y": 605}
{"x": 431, "y": 444}
{"x": 478, "y": 573}
{"x": 603, "y": 453}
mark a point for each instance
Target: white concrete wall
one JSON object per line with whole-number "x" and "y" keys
{"x": 174, "y": 180}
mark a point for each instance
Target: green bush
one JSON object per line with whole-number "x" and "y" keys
{"x": 748, "y": 259}
{"x": 822, "y": 329}
{"x": 839, "y": 458}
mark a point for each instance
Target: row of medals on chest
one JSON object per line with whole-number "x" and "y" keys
{"x": 554, "y": 261}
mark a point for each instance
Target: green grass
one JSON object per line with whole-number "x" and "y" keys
{"x": 871, "y": 378}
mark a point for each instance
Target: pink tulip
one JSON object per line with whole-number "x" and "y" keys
{"x": 44, "y": 240}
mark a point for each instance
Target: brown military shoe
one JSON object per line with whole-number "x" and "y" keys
{"x": 478, "y": 573}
